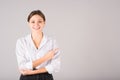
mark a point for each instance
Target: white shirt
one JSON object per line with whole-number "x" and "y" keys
{"x": 26, "y": 52}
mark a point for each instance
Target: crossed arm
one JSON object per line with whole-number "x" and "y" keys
{"x": 39, "y": 61}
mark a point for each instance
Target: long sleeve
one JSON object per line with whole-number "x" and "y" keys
{"x": 54, "y": 65}
{"x": 23, "y": 62}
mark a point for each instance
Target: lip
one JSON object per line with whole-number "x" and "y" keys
{"x": 36, "y": 28}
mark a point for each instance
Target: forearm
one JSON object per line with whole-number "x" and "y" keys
{"x": 46, "y": 57}
{"x": 32, "y": 72}
{"x": 38, "y": 62}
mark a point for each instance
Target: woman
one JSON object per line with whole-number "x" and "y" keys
{"x": 38, "y": 55}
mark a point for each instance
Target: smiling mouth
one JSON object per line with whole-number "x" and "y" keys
{"x": 36, "y": 28}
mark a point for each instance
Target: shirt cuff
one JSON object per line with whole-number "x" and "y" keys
{"x": 27, "y": 65}
{"x": 49, "y": 68}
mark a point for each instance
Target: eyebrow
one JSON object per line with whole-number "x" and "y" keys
{"x": 41, "y": 19}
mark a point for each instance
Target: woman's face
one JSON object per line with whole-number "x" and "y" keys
{"x": 36, "y": 23}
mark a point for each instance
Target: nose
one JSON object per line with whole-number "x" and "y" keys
{"x": 36, "y": 24}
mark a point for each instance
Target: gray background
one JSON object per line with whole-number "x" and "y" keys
{"x": 87, "y": 31}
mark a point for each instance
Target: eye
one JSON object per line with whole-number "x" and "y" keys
{"x": 32, "y": 21}
{"x": 39, "y": 21}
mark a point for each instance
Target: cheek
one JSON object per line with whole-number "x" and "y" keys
{"x": 30, "y": 25}
{"x": 43, "y": 24}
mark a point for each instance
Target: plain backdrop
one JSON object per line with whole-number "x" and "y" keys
{"x": 87, "y": 31}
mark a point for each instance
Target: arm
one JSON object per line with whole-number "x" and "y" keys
{"x": 24, "y": 63}
{"x": 41, "y": 70}
{"x": 47, "y": 57}
{"x": 54, "y": 65}
{"x": 31, "y": 72}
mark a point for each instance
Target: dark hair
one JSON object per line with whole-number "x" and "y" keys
{"x": 36, "y": 12}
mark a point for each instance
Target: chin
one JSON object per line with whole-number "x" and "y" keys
{"x": 37, "y": 31}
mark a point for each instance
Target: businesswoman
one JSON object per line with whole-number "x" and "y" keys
{"x": 38, "y": 55}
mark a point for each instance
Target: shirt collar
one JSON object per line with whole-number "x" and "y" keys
{"x": 43, "y": 41}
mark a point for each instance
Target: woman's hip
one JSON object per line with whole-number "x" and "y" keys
{"x": 41, "y": 76}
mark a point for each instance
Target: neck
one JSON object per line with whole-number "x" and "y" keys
{"x": 37, "y": 36}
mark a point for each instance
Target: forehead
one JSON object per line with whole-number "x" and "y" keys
{"x": 34, "y": 17}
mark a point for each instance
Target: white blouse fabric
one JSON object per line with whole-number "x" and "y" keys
{"x": 26, "y": 52}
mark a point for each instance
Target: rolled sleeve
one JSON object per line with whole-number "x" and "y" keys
{"x": 23, "y": 63}
{"x": 54, "y": 65}
{"x": 49, "y": 68}
{"x": 27, "y": 65}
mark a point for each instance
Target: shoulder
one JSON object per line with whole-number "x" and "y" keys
{"x": 22, "y": 40}
{"x": 50, "y": 38}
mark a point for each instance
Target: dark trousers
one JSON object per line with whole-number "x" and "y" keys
{"x": 41, "y": 76}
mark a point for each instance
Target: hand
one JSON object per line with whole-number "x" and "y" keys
{"x": 50, "y": 54}
{"x": 26, "y": 72}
